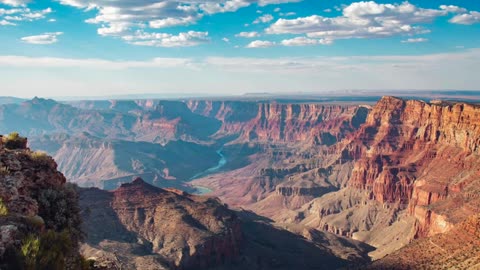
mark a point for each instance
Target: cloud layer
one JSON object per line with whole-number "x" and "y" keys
{"x": 369, "y": 20}
{"x": 124, "y": 18}
{"x": 19, "y": 13}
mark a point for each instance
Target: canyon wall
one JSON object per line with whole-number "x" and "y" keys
{"x": 279, "y": 122}
{"x": 420, "y": 154}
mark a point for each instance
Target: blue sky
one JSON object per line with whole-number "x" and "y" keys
{"x": 104, "y": 47}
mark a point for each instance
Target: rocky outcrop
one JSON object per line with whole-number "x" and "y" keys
{"x": 36, "y": 208}
{"x": 185, "y": 231}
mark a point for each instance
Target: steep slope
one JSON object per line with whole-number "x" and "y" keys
{"x": 39, "y": 213}
{"x": 176, "y": 230}
{"x": 459, "y": 248}
{"x": 139, "y": 226}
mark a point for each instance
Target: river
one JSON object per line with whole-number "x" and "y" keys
{"x": 204, "y": 190}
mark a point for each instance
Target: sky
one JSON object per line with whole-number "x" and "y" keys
{"x": 114, "y": 47}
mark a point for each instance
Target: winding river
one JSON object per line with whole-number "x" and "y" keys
{"x": 203, "y": 190}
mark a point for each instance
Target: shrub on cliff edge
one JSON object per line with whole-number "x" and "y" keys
{"x": 14, "y": 141}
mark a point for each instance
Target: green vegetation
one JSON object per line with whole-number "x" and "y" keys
{"x": 60, "y": 211}
{"x": 47, "y": 251}
{"x": 14, "y": 141}
{"x": 57, "y": 246}
{"x": 40, "y": 157}
{"x": 29, "y": 250}
{"x": 3, "y": 208}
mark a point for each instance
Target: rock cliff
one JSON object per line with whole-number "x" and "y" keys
{"x": 420, "y": 154}
{"x": 39, "y": 214}
{"x": 411, "y": 159}
{"x": 178, "y": 230}
{"x": 279, "y": 122}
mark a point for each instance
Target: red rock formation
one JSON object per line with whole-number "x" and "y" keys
{"x": 188, "y": 232}
{"x": 278, "y": 122}
{"x": 414, "y": 153}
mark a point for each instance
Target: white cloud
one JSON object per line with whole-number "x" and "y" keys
{"x": 367, "y": 20}
{"x": 328, "y": 10}
{"x": 4, "y": 23}
{"x": 123, "y": 17}
{"x": 299, "y": 41}
{"x": 15, "y": 3}
{"x": 263, "y": 19}
{"x": 303, "y": 41}
{"x": 184, "y": 39}
{"x": 227, "y": 40}
{"x": 212, "y": 7}
{"x": 260, "y": 44}
{"x": 270, "y": 2}
{"x": 248, "y": 34}
{"x": 415, "y": 40}
{"x": 12, "y": 15}
{"x": 288, "y": 14}
{"x": 44, "y": 39}
{"x": 467, "y": 18}
{"x": 453, "y": 9}
{"x": 169, "y": 22}
{"x": 277, "y": 9}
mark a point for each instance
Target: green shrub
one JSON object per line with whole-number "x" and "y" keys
{"x": 40, "y": 157}
{"x": 50, "y": 250}
{"x": 14, "y": 141}
{"x": 60, "y": 211}
{"x": 30, "y": 251}
{"x": 3, "y": 208}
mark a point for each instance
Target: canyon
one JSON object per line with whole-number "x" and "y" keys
{"x": 355, "y": 182}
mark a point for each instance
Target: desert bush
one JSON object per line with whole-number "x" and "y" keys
{"x": 4, "y": 171}
{"x": 47, "y": 251}
{"x": 14, "y": 141}
{"x": 29, "y": 251}
{"x": 3, "y": 208}
{"x": 60, "y": 210}
{"x": 40, "y": 157}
